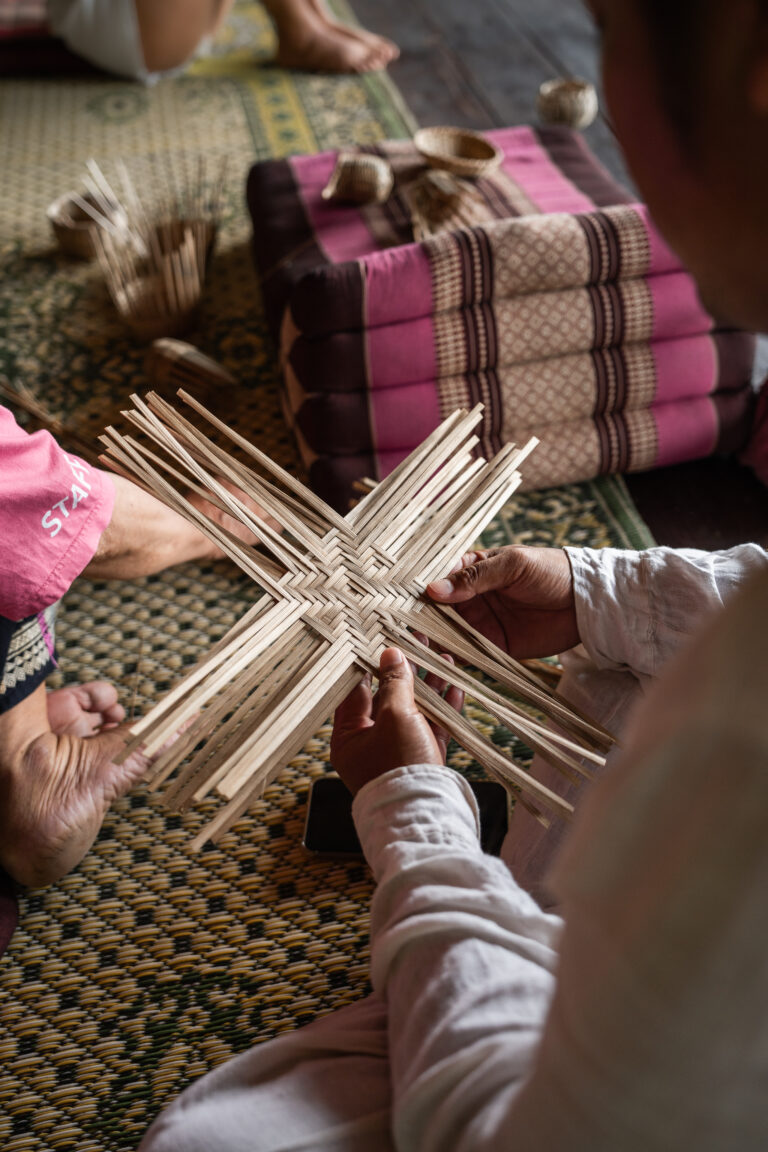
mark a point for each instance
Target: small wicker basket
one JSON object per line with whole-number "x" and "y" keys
{"x": 569, "y": 101}
{"x": 359, "y": 178}
{"x": 458, "y": 150}
{"x": 73, "y": 227}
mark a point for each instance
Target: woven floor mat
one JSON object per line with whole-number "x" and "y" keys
{"x": 147, "y": 966}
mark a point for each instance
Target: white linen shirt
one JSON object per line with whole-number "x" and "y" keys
{"x": 637, "y": 1022}
{"x": 646, "y": 1028}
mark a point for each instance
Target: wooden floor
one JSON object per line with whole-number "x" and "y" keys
{"x": 479, "y": 63}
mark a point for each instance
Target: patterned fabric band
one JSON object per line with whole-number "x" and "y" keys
{"x": 27, "y": 655}
{"x": 471, "y": 266}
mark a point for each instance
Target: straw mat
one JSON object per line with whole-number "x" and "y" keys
{"x": 147, "y": 965}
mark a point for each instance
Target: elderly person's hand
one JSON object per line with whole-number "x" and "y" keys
{"x": 520, "y": 598}
{"x": 375, "y": 733}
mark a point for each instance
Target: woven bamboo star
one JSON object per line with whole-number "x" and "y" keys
{"x": 338, "y": 590}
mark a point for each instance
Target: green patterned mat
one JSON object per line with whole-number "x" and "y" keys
{"x": 147, "y": 966}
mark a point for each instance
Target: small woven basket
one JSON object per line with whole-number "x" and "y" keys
{"x": 569, "y": 101}
{"x": 359, "y": 179}
{"x": 73, "y": 227}
{"x": 458, "y": 150}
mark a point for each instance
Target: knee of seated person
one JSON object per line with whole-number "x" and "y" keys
{"x": 171, "y": 32}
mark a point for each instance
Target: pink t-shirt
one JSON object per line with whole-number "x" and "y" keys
{"x": 53, "y": 509}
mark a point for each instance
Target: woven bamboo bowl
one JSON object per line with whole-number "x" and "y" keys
{"x": 458, "y": 150}
{"x": 569, "y": 101}
{"x": 358, "y": 178}
{"x": 72, "y": 226}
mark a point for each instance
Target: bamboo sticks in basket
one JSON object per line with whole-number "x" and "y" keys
{"x": 154, "y": 245}
{"x": 337, "y": 590}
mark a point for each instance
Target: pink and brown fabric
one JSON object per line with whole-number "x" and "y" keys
{"x": 564, "y": 313}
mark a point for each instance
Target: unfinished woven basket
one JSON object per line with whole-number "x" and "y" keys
{"x": 458, "y": 150}
{"x": 359, "y": 179}
{"x": 568, "y": 101}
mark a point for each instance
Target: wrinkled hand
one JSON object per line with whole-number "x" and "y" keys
{"x": 373, "y": 734}
{"x": 519, "y": 598}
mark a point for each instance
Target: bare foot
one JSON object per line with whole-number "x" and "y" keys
{"x": 84, "y": 709}
{"x": 55, "y": 788}
{"x": 327, "y": 50}
{"x": 309, "y": 40}
{"x": 387, "y": 49}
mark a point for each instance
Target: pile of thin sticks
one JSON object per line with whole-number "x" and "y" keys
{"x": 337, "y": 591}
{"x": 154, "y": 248}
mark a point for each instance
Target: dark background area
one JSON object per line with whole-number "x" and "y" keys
{"x": 479, "y": 64}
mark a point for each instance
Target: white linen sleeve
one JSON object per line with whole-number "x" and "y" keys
{"x": 464, "y": 957}
{"x": 635, "y": 609}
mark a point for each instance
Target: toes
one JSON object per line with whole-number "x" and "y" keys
{"x": 97, "y": 695}
{"x": 113, "y": 715}
{"x": 83, "y": 709}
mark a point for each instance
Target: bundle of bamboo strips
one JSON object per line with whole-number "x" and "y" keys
{"x": 154, "y": 248}
{"x": 337, "y": 591}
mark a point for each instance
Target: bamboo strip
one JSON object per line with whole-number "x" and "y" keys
{"x": 294, "y": 705}
{"x": 251, "y": 790}
{"x": 196, "y": 686}
{"x": 326, "y": 514}
{"x": 537, "y": 736}
{"x": 120, "y": 450}
{"x": 409, "y": 522}
{"x": 264, "y": 679}
{"x": 405, "y": 480}
{"x": 454, "y": 513}
{"x": 163, "y": 434}
{"x": 494, "y": 761}
{"x": 273, "y": 504}
{"x": 175, "y": 753}
{"x": 209, "y": 719}
{"x": 429, "y": 618}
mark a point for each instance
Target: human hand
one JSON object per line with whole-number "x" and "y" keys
{"x": 373, "y": 734}
{"x": 519, "y": 598}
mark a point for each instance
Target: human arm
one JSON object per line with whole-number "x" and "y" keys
{"x": 60, "y": 517}
{"x": 464, "y": 956}
{"x": 630, "y": 610}
{"x": 652, "y": 1039}
{"x": 144, "y": 535}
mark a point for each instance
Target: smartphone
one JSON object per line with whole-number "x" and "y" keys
{"x": 330, "y": 831}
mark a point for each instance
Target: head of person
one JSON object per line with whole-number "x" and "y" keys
{"x": 686, "y": 84}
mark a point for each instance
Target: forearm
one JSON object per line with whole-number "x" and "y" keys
{"x": 144, "y": 536}
{"x": 636, "y": 609}
{"x": 464, "y": 957}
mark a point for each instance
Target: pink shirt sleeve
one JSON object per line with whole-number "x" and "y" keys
{"x": 53, "y": 510}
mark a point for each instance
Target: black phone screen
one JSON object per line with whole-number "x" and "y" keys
{"x": 330, "y": 830}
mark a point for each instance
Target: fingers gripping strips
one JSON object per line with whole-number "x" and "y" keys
{"x": 337, "y": 591}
